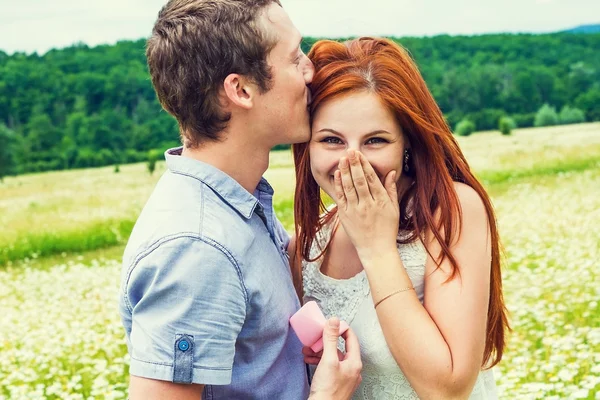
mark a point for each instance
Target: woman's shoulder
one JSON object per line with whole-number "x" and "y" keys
{"x": 467, "y": 196}
{"x": 473, "y": 212}
{"x": 472, "y": 217}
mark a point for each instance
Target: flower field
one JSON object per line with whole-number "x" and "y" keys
{"x": 60, "y": 333}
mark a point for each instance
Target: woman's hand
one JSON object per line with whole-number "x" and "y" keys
{"x": 368, "y": 210}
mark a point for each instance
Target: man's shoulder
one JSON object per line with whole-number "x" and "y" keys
{"x": 174, "y": 206}
{"x": 183, "y": 206}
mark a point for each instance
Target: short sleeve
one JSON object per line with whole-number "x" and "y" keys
{"x": 188, "y": 304}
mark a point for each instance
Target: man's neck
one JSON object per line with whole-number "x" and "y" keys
{"x": 243, "y": 161}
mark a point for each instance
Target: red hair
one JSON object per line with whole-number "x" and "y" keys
{"x": 382, "y": 67}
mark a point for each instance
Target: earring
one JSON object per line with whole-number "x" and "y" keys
{"x": 406, "y": 165}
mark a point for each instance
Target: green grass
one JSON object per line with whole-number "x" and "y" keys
{"x": 550, "y": 225}
{"x": 60, "y": 333}
{"x": 91, "y": 237}
{"x": 544, "y": 168}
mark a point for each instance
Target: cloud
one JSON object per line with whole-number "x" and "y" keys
{"x": 38, "y": 25}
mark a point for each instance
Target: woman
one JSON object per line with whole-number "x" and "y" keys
{"x": 409, "y": 255}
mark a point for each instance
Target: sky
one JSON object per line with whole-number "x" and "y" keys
{"x": 39, "y": 25}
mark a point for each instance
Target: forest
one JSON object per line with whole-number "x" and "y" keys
{"x": 81, "y": 106}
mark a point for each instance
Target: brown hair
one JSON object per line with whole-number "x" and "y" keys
{"x": 194, "y": 45}
{"x": 382, "y": 67}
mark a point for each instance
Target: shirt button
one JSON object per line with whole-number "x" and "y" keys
{"x": 183, "y": 345}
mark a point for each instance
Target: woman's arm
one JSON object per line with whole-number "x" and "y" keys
{"x": 438, "y": 346}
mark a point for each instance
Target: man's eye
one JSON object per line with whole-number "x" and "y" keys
{"x": 331, "y": 140}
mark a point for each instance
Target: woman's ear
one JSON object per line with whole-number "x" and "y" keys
{"x": 239, "y": 91}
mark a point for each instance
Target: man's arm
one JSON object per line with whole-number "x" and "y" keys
{"x": 186, "y": 304}
{"x": 151, "y": 389}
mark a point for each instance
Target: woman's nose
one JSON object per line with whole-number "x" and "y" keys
{"x": 352, "y": 146}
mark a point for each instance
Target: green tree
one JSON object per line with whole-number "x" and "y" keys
{"x": 152, "y": 158}
{"x": 590, "y": 102}
{"x": 7, "y": 142}
{"x": 546, "y": 116}
{"x": 67, "y": 105}
{"x": 486, "y": 118}
{"x": 580, "y": 78}
{"x": 506, "y": 125}
{"x": 465, "y": 128}
{"x": 524, "y": 120}
{"x": 570, "y": 115}
{"x": 77, "y": 128}
{"x": 41, "y": 134}
{"x": 110, "y": 129}
{"x": 68, "y": 152}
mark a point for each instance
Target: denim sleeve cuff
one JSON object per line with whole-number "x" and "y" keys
{"x": 164, "y": 372}
{"x": 186, "y": 304}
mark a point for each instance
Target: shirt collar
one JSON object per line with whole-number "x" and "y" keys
{"x": 222, "y": 184}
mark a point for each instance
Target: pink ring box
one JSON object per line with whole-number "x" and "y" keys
{"x": 309, "y": 323}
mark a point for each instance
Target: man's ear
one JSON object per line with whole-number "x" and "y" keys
{"x": 240, "y": 91}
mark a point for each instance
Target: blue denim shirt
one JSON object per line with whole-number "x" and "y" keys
{"x": 206, "y": 292}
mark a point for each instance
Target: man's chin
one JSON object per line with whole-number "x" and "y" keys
{"x": 302, "y": 137}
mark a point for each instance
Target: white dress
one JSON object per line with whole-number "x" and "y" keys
{"x": 350, "y": 300}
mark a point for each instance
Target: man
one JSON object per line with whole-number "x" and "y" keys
{"x": 206, "y": 292}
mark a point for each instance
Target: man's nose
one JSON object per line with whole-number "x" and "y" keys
{"x": 309, "y": 72}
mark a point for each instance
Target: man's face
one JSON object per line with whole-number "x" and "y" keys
{"x": 285, "y": 106}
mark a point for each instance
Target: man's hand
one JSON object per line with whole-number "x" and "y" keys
{"x": 334, "y": 378}
{"x": 314, "y": 358}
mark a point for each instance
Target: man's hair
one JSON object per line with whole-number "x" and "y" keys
{"x": 194, "y": 45}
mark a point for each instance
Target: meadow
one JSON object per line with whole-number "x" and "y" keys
{"x": 63, "y": 234}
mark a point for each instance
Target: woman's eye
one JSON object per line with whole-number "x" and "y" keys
{"x": 331, "y": 140}
{"x": 376, "y": 140}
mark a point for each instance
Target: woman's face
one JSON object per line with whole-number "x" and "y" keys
{"x": 358, "y": 121}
